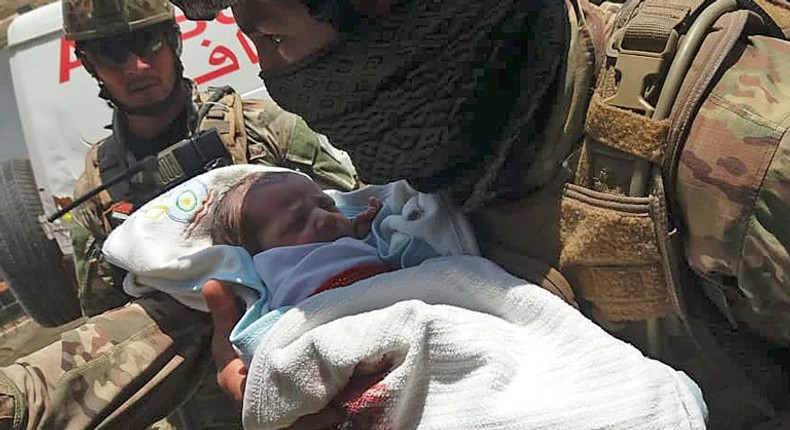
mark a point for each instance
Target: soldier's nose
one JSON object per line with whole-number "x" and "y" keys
{"x": 135, "y": 62}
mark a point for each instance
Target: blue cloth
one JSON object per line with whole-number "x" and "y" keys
{"x": 252, "y": 329}
{"x": 407, "y": 252}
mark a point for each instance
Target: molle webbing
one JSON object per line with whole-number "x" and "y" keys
{"x": 626, "y": 131}
{"x": 619, "y": 245}
{"x": 611, "y": 253}
{"x": 224, "y": 114}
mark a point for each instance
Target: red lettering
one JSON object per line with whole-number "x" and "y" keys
{"x": 66, "y": 62}
{"x": 252, "y": 54}
{"x": 219, "y": 56}
{"x": 200, "y": 27}
{"x": 222, "y": 18}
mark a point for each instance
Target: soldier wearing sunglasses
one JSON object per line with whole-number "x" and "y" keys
{"x": 132, "y": 48}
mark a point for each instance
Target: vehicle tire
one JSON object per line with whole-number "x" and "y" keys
{"x": 31, "y": 264}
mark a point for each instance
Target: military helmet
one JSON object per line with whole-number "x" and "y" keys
{"x": 94, "y": 19}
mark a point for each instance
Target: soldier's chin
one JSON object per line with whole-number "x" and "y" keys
{"x": 153, "y": 108}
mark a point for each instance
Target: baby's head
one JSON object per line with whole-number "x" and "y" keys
{"x": 272, "y": 209}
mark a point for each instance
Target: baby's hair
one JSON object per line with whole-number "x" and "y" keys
{"x": 228, "y": 224}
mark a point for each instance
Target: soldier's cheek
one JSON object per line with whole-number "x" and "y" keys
{"x": 268, "y": 54}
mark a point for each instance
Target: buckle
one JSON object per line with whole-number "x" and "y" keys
{"x": 634, "y": 68}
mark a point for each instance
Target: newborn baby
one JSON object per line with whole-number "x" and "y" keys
{"x": 300, "y": 241}
{"x": 274, "y": 235}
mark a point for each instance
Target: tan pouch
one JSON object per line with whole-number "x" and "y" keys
{"x": 614, "y": 253}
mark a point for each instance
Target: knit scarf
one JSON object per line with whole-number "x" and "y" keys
{"x": 440, "y": 92}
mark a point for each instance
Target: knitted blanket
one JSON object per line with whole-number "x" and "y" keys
{"x": 457, "y": 343}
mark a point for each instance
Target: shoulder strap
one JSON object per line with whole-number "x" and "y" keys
{"x": 94, "y": 170}
{"x": 779, "y": 10}
{"x": 88, "y": 214}
{"x": 221, "y": 109}
{"x": 661, "y": 59}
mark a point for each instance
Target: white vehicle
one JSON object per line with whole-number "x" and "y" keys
{"x": 60, "y": 115}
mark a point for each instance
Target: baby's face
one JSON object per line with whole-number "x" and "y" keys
{"x": 294, "y": 211}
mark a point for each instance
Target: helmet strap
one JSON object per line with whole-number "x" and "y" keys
{"x": 151, "y": 110}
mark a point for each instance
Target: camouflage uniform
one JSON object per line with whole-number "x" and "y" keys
{"x": 86, "y": 380}
{"x": 153, "y": 346}
{"x": 155, "y": 342}
{"x": 730, "y": 207}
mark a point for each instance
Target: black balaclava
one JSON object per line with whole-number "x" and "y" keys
{"x": 449, "y": 94}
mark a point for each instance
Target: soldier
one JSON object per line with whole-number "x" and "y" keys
{"x": 132, "y": 48}
{"x": 563, "y": 169}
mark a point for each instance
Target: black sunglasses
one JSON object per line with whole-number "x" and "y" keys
{"x": 113, "y": 51}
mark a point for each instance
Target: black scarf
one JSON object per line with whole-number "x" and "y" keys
{"x": 434, "y": 91}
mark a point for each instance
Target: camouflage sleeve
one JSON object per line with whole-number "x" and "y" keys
{"x": 100, "y": 373}
{"x": 733, "y": 188}
{"x": 13, "y": 405}
{"x": 97, "y": 289}
{"x": 277, "y": 137}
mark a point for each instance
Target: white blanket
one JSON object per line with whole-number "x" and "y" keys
{"x": 457, "y": 343}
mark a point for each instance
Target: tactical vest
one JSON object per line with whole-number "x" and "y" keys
{"x": 650, "y": 207}
{"x": 220, "y": 109}
{"x": 638, "y": 188}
